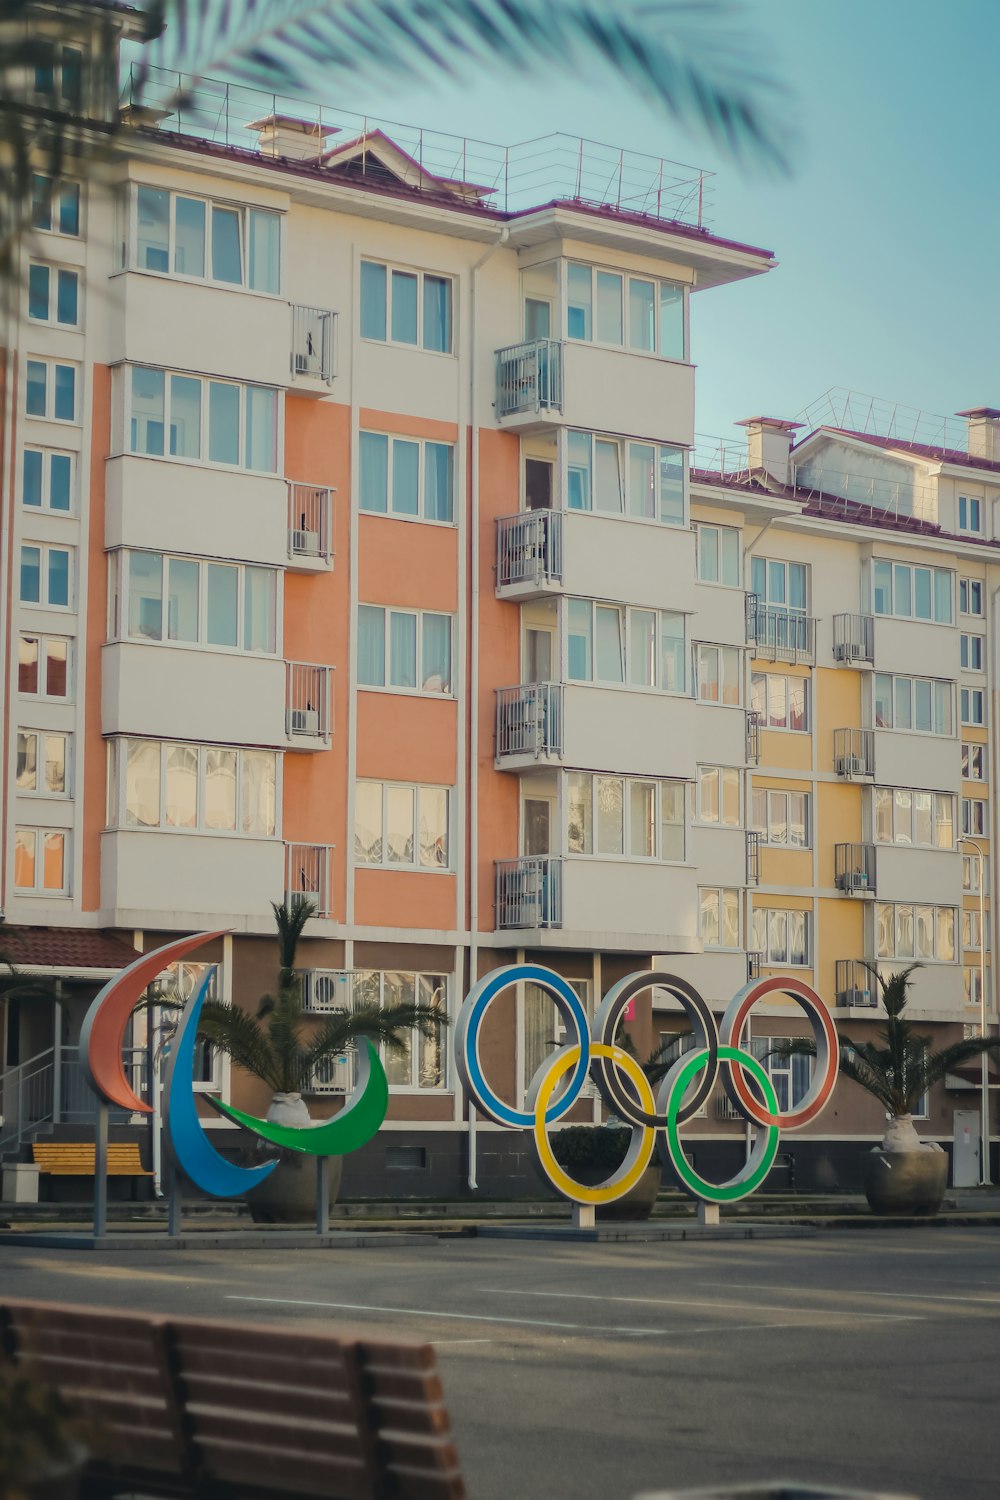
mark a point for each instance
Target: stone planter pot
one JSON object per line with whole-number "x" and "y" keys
{"x": 288, "y": 1196}
{"x": 906, "y": 1182}
{"x": 637, "y": 1202}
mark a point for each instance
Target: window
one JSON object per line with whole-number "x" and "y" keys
{"x": 921, "y": 703}
{"x": 781, "y": 937}
{"x": 970, "y": 514}
{"x": 615, "y": 815}
{"x": 972, "y": 981}
{"x": 781, "y": 818}
{"x": 46, "y": 575}
{"x": 621, "y": 478}
{"x": 974, "y": 820}
{"x": 406, "y": 477}
{"x": 719, "y": 796}
{"x": 209, "y": 421}
{"x": 40, "y": 864}
{"x": 720, "y": 917}
{"x": 973, "y": 761}
{"x": 719, "y": 555}
{"x": 780, "y": 586}
{"x": 972, "y": 931}
{"x": 970, "y": 596}
{"x": 912, "y": 593}
{"x": 612, "y": 643}
{"x": 406, "y": 307}
{"x": 190, "y": 601}
{"x": 48, "y": 480}
{"x": 544, "y": 1028}
{"x": 719, "y": 674}
{"x": 53, "y": 295}
{"x": 782, "y": 702}
{"x": 188, "y": 788}
{"x": 920, "y": 819}
{"x": 401, "y": 827}
{"x": 59, "y": 82}
{"x": 43, "y": 667}
{"x": 790, "y": 1076}
{"x": 625, "y": 311}
{"x": 423, "y": 1064}
{"x": 973, "y": 706}
{"x": 50, "y": 390}
{"x": 905, "y": 930}
{"x": 55, "y": 206}
{"x": 970, "y": 874}
{"x": 972, "y": 652}
{"x": 41, "y": 765}
{"x": 403, "y": 649}
{"x": 177, "y": 235}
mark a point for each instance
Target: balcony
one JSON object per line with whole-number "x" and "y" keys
{"x": 855, "y": 986}
{"x": 854, "y": 639}
{"x": 753, "y": 858}
{"x": 530, "y": 383}
{"x": 307, "y": 705}
{"x": 529, "y": 554}
{"x": 854, "y": 753}
{"x": 312, "y": 350}
{"x": 755, "y": 965}
{"x": 310, "y": 527}
{"x": 309, "y": 876}
{"x": 529, "y": 892}
{"x": 778, "y": 634}
{"x": 753, "y": 723}
{"x": 855, "y": 869}
{"x": 529, "y": 724}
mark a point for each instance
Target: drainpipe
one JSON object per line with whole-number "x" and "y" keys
{"x": 473, "y": 812}
{"x": 993, "y": 725}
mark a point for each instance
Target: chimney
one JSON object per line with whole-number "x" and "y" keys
{"x": 294, "y": 139}
{"x": 769, "y": 443}
{"x": 984, "y": 433}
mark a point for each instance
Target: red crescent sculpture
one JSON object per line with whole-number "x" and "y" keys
{"x": 102, "y": 1035}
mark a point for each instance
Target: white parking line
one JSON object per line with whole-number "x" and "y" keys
{"x": 831, "y": 1312}
{"x": 919, "y": 1296}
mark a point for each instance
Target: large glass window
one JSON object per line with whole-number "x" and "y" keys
{"x": 614, "y": 815}
{"x": 921, "y": 703}
{"x": 907, "y": 930}
{"x": 912, "y": 593}
{"x": 719, "y": 673}
{"x": 196, "y": 602}
{"x": 40, "y": 863}
{"x": 918, "y": 818}
{"x": 216, "y": 421}
{"x": 782, "y": 818}
{"x": 406, "y": 477}
{"x": 401, "y": 826}
{"x": 613, "y": 643}
{"x": 623, "y": 478}
{"x": 781, "y": 937}
{"x": 406, "y": 307}
{"x": 782, "y": 702}
{"x": 179, "y": 235}
{"x": 423, "y": 1062}
{"x": 407, "y": 650}
{"x": 50, "y": 390}
{"x": 191, "y": 788}
{"x": 625, "y": 311}
{"x": 719, "y": 796}
{"x": 46, "y": 575}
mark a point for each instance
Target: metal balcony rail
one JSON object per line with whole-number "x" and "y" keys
{"x": 854, "y": 752}
{"x": 530, "y": 548}
{"x": 530, "y": 720}
{"x": 529, "y": 892}
{"x": 725, "y": 1109}
{"x": 855, "y": 985}
{"x": 753, "y": 857}
{"x": 308, "y": 876}
{"x": 755, "y": 965}
{"x": 307, "y": 700}
{"x": 310, "y": 520}
{"x": 530, "y": 377}
{"x": 779, "y": 634}
{"x": 854, "y": 869}
{"x": 312, "y": 343}
{"x": 508, "y": 177}
{"x": 753, "y": 724}
{"x": 880, "y": 415}
{"x": 325, "y": 990}
{"x": 839, "y": 492}
{"x": 47, "y": 1090}
{"x": 854, "y": 638}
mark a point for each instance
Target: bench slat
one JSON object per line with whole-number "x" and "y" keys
{"x": 409, "y": 1416}
{"x": 279, "y": 1400}
{"x": 330, "y": 1475}
{"x": 78, "y": 1159}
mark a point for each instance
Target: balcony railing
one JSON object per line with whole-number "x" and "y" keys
{"x": 855, "y": 985}
{"x": 854, "y": 638}
{"x": 753, "y": 858}
{"x": 530, "y": 377}
{"x": 310, "y": 521}
{"x": 325, "y": 990}
{"x": 529, "y": 892}
{"x": 755, "y": 964}
{"x": 312, "y": 343}
{"x": 308, "y": 876}
{"x": 753, "y": 723}
{"x": 778, "y": 634}
{"x": 854, "y": 753}
{"x": 855, "y": 869}
{"x": 530, "y": 720}
{"x": 307, "y": 701}
{"x": 530, "y": 548}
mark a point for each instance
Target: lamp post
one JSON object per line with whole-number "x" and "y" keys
{"x": 984, "y": 1080}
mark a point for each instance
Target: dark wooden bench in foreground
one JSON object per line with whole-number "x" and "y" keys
{"x": 199, "y": 1407}
{"x": 76, "y": 1159}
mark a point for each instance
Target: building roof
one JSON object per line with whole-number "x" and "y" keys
{"x": 64, "y": 948}
{"x": 919, "y": 450}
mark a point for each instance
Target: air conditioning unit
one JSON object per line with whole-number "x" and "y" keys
{"x": 851, "y": 765}
{"x": 306, "y": 542}
{"x": 848, "y": 651}
{"x": 853, "y": 880}
{"x": 303, "y": 721}
{"x": 725, "y": 1109}
{"x": 859, "y": 998}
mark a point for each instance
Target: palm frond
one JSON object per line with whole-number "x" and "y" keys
{"x": 242, "y": 1038}
{"x": 290, "y": 917}
{"x": 693, "y": 59}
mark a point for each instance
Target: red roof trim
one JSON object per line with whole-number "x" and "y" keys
{"x": 64, "y": 948}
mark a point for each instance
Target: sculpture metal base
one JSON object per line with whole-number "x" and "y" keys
{"x": 708, "y": 1214}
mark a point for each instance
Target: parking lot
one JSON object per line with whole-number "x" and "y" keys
{"x": 865, "y": 1359}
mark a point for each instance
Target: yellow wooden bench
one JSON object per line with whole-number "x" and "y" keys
{"x": 76, "y": 1159}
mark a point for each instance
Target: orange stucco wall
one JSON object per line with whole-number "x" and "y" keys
{"x": 90, "y": 644}
{"x": 404, "y": 898}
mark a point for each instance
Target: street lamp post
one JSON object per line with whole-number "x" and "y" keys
{"x": 984, "y": 1080}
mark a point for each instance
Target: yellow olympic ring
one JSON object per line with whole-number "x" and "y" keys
{"x": 640, "y": 1151}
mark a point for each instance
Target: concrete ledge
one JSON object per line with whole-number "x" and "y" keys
{"x": 646, "y": 1232}
{"x": 208, "y": 1239}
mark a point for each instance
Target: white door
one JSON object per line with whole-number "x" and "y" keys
{"x": 965, "y": 1152}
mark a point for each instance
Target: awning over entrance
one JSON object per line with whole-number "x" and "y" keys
{"x": 64, "y": 951}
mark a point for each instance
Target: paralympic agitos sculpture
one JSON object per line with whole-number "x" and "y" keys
{"x": 626, "y": 1090}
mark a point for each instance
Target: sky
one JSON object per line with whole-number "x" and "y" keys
{"x": 887, "y": 229}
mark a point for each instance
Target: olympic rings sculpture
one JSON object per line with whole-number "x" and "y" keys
{"x": 591, "y": 1051}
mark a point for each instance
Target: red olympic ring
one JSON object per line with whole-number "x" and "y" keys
{"x": 827, "y": 1052}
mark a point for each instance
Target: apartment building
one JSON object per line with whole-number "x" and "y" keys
{"x": 356, "y": 546}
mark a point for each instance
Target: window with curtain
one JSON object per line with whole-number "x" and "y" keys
{"x": 411, "y": 651}
{"x": 402, "y": 826}
{"x": 176, "y": 234}
{"x": 406, "y": 477}
{"x": 406, "y": 307}
{"x": 641, "y": 818}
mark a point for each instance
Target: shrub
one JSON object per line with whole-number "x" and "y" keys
{"x": 601, "y": 1146}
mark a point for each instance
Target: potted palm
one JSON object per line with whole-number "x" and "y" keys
{"x": 283, "y": 1047}
{"x": 904, "y": 1175}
